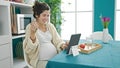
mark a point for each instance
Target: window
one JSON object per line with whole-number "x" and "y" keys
{"x": 117, "y": 20}
{"x": 77, "y": 18}
{"x": 68, "y": 25}
{"x": 84, "y": 24}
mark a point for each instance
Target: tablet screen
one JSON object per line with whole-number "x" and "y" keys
{"x": 74, "y": 40}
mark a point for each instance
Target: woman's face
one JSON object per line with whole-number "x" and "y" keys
{"x": 43, "y": 18}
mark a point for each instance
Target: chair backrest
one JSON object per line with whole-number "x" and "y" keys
{"x": 99, "y": 35}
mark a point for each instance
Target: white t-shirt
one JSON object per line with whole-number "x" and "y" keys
{"x": 47, "y": 49}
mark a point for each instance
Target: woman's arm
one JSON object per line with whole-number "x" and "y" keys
{"x": 56, "y": 40}
{"x": 28, "y": 45}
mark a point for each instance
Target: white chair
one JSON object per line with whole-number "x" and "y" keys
{"x": 99, "y": 35}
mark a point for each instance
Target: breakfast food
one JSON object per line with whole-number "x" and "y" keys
{"x": 82, "y": 46}
{"x": 89, "y": 48}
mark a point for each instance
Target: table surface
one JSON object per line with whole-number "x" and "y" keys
{"x": 106, "y": 57}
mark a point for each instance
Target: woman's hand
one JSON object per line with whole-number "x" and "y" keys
{"x": 64, "y": 45}
{"x": 33, "y": 29}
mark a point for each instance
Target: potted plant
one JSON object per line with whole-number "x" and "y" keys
{"x": 105, "y": 22}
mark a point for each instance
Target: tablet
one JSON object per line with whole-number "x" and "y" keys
{"x": 74, "y": 40}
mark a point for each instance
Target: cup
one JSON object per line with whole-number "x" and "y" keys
{"x": 89, "y": 42}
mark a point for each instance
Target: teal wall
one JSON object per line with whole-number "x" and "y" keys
{"x": 106, "y": 8}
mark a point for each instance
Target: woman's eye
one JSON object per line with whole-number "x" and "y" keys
{"x": 44, "y": 15}
{"x": 48, "y": 15}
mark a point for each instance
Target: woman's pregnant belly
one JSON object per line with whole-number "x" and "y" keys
{"x": 47, "y": 51}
